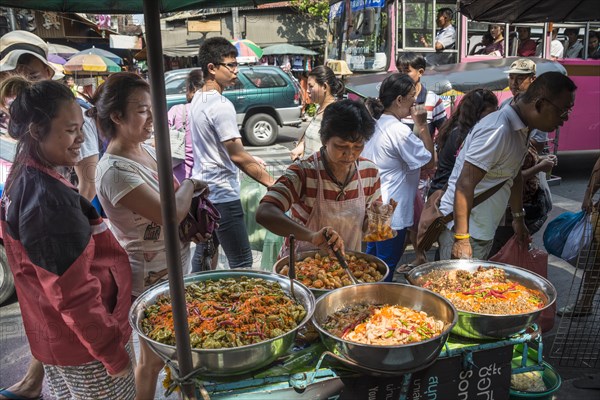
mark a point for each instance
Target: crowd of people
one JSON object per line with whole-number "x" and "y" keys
{"x": 354, "y": 155}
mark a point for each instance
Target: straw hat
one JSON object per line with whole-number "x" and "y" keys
{"x": 16, "y": 43}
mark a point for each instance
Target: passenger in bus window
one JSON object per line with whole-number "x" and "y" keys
{"x": 593, "y": 45}
{"x": 556, "y": 47}
{"x": 573, "y": 47}
{"x": 527, "y": 45}
{"x": 480, "y": 48}
{"x": 445, "y": 37}
{"x": 497, "y": 46}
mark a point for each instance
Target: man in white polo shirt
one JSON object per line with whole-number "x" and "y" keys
{"x": 493, "y": 153}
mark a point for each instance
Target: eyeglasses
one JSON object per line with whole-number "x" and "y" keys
{"x": 232, "y": 66}
{"x": 563, "y": 113}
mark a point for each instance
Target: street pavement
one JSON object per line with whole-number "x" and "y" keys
{"x": 574, "y": 171}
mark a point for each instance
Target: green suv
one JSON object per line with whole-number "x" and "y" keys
{"x": 265, "y": 98}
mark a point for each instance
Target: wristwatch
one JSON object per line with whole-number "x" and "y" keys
{"x": 519, "y": 214}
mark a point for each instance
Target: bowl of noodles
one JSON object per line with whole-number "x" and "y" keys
{"x": 384, "y": 328}
{"x": 493, "y": 300}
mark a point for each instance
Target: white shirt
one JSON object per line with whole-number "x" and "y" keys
{"x": 574, "y": 50}
{"x": 446, "y": 36}
{"x": 497, "y": 145}
{"x": 89, "y": 147}
{"x": 399, "y": 154}
{"x": 213, "y": 121}
{"x": 556, "y": 49}
{"x": 142, "y": 239}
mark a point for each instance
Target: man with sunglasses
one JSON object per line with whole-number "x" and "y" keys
{"x": 490, "y": 161}
{"x": 218, "y": 151}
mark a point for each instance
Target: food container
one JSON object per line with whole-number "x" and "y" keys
{"x": 490, "y": 326}
{"x": 226, "y": 361}
{"x": 399, "y": 359}
{"x": 551, "y": 378}
{"x": 379, "y": 223}
{"x": 381, "y": 266}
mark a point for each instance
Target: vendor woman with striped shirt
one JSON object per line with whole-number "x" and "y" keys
{"x": 328, "y": 191}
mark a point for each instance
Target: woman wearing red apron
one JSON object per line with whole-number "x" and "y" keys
{"x": 328, "y": 191}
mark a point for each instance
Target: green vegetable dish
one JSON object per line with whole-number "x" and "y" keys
{"x": 227, "y": 313}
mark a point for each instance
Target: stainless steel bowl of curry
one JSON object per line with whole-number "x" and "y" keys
{"x": 493, "y": 300}
{"x": 417, "y": 347}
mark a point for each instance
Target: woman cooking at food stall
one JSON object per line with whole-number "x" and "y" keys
{"x": 330, "y": 191}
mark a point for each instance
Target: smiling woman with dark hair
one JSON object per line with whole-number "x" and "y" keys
{"x": 70, "y": 272}
{"x": 329, "y": 191}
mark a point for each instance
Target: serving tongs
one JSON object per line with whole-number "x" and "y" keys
{"x": 341, "y": 259}
{"x": 292, "y": 271}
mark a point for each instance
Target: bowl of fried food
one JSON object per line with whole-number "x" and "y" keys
{"x": 322, "y": 273}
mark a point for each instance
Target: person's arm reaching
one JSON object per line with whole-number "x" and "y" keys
{"x": 247, "y": 163}
{"x": 592, "y": 188}
{"x": 86, "y": 174}
{"x": 273, "y": 218}
{"x": 516, "y": 207}
{"x": 469, "y": 177}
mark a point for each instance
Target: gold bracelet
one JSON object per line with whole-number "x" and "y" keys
{"x": 461, "y": 236}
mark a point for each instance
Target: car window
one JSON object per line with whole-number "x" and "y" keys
{"x": 176, "y": 86}
{"x": 265, "y": 79}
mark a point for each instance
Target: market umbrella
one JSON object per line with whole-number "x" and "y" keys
{"x": 90, "y": 63}
{"x": 59, "y": 70}
{"x": 152, "y": 10}
{"x": 247, "y": 48}
{"x": 61, "y": 50}
{"x": 101, "y": 52}
{"x": 56, "y": 59}
{"x": 286, "y": 48}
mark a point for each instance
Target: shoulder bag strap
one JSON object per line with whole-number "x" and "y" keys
{"x": 478, "y": 200}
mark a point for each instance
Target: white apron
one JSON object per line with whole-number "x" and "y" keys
{"x": 346, "y": 217}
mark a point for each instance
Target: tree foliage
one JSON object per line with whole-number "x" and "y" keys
{"x": 316, "y": 8}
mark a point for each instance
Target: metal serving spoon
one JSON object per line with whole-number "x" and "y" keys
{"x": 341, "y": 259}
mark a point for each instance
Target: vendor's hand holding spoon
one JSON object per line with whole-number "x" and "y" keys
{"x": 335, "y": 241}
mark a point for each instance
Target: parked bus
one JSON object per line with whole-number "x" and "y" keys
{"x": 368, "y": 35}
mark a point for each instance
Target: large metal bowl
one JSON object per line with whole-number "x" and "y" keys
{"x": 381, "y": 266}
{"x": 398, "y": 359}
{"x": 490, "y": 326}
{"x": 228, "y": 361}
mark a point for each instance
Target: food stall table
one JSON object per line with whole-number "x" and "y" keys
{"x": 465, "y": 369}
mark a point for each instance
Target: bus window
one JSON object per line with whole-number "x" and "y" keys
{"x": 366, "y": 46}
{"x": 335, "y": 31}
{"x": 418, "y": 28}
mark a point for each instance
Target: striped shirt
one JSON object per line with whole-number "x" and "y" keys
{"x": 297, "y": 190}
{"x": 436, "y": 112}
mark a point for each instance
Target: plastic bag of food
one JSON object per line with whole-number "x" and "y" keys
{"x": 379, "y": 221}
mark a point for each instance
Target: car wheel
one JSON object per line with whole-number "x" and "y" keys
{"x": 7, "y": 283}
{"x": 261, "y": 130}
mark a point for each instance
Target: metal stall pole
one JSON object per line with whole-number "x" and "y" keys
{"x": 167, "y": 192}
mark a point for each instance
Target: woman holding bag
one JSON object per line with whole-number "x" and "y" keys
{"x": 127, "y": 187}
